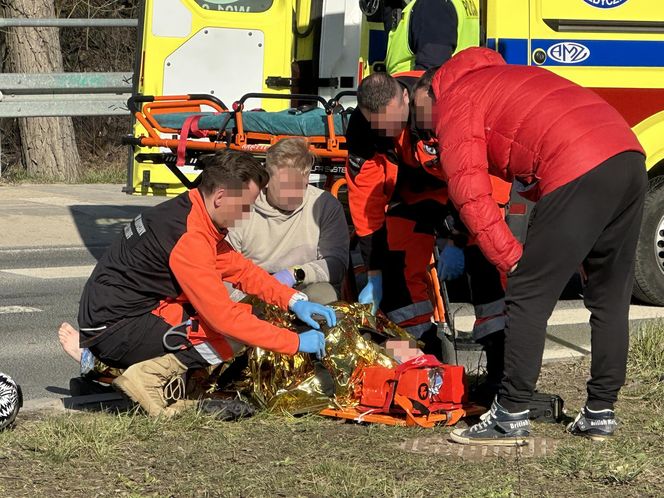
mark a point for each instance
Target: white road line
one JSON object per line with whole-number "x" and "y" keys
{"x": 52, "y": 272}
{"x": 18, "y": 309}
{"x": 572, "y": 316}
{"x": 58, "y": 201}
{"x": 39, "y": 250}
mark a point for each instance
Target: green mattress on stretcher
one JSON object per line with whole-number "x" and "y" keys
{"x": 308, "y": 124}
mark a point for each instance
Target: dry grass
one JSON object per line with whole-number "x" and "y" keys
{"x": 132, "y": 455}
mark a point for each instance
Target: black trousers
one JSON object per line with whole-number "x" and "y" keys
{"x": 137, "y": 339}
{"x": 594, "y": 220}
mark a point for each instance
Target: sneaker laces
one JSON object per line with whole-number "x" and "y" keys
{"x": 486, "y": 419}
{"x": 571, "y": 425}
{"x": 175, "y": 389}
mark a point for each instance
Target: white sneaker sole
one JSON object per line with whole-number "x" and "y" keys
{"x": 457, "y": 437}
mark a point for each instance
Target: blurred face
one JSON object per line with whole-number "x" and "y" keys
{"x": 286, "y": 188}
{"x": 392, "y": 119}
{"x": 402, "y": 350}
{"x": 228, "y": 206}
{"x": 423, "y": 106}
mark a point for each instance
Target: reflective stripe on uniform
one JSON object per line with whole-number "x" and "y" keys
{"x": 486, "y": 326}
{"x": 490, "y": 309}
{"x": 208, "y": 353}
{"x": 411, "y": 311}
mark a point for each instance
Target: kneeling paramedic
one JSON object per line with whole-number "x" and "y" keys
{"x": 397, "y": 205}
{"x": 168, "y": 268}
{"x": 576, "y": 157}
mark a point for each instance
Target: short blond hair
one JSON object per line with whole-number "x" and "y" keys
{"x": 290, "y": 153}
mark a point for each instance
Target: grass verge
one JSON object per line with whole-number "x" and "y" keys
{"x": 132, "y": 455}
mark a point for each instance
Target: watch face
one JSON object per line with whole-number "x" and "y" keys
{"x": 299, "y": 274}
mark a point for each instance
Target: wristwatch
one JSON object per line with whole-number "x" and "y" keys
{"x": 298, "y": 275}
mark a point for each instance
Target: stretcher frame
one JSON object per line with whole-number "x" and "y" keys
{"x": 329, "y": 148}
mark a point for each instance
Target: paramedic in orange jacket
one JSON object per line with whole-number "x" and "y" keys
{"x": 168, "y": 268}
{"x": 396, "y": 206}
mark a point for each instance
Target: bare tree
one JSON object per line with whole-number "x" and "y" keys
{"x": 48, "y": 144}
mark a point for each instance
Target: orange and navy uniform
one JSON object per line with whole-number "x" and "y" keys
{"x": 395, "y": 204}
{"x": 171, "y": 262}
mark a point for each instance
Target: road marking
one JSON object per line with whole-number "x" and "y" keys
{"x": 570, "y": 316}
{"x": 39, "y": 250}
{"x": 58, "y": 201}
{"x": 18, "y": 309}
{"x": 52, "y": 272}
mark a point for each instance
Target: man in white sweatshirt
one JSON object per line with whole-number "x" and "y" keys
{"x": 296, "y": 231}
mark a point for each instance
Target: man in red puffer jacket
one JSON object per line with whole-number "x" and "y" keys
{"x": 575, "y": 156}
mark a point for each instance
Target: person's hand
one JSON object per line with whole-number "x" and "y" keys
{"x": 305, "y": 309}
{"x": 312, "y": 341}
{"x": 451, "y": 262}
{"x": 286, "y": 277}
{"x": 373, "y": 291}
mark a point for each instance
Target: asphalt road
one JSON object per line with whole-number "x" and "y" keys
{"x": 40, "y": 290}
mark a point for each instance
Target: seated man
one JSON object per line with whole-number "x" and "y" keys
{"x": 167, "y": 270}
{"x": 296, "y": 231}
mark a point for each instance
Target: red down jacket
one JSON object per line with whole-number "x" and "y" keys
{"x": 517, "y": 123}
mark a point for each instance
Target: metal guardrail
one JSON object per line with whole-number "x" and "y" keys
{"x": 67, "y": 23}
{"x": 64, "y": 94}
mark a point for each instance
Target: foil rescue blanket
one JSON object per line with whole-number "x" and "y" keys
{"x": 302, "y": 384}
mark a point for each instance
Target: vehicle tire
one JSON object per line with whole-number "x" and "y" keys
{"x": 649, "y": 265}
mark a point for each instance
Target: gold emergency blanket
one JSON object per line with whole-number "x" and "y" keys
{"x": 300, "y": 383}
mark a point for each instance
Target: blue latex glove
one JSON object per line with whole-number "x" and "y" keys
{"x": 305, "y": 309}
{"x": 285, "y": 277}
{"x": 312, "y": 341}
{"x": 451, "y": 263}
{"x": 372, "y": 292}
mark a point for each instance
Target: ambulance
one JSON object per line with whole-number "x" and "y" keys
{"x": 227, "y": 48}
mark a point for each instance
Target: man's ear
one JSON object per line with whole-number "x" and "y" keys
{"x": 406, "y": 97}
{"x": 217, "y": 197}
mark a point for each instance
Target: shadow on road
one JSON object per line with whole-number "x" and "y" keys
{"x": 99, "y": 225}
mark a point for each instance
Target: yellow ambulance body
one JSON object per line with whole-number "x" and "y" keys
{"x": 228, "y": 48}
{"x": 616, "y": 48}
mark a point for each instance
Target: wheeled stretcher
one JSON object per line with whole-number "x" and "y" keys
{"x": 187, "y": 126}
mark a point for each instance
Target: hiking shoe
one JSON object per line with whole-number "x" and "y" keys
{"x": 498, "y": 427}
{"x": 226, "y": 409}
{"x": 596, "y": 425}
{"x": 144, "y": 382}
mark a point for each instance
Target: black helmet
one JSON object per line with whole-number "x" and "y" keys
{"x": 11, "y": 400}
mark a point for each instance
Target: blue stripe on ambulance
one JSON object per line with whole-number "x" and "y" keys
{"x": 597, "y": 53}
{"x": 606, "y": 53}
{"x": 513, "y": 50}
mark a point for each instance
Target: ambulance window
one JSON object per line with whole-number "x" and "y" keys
{"x": 236, "y": 5}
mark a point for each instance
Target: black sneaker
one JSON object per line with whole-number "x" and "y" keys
{"x": 596, "y": 425}
{"x": 497, "y": 428}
